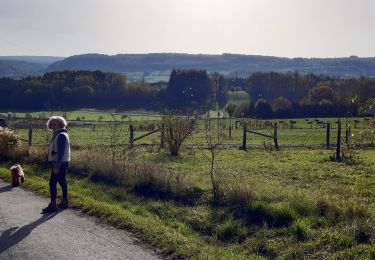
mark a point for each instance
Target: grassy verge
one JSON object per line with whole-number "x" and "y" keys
{"x": 123, "y": 210}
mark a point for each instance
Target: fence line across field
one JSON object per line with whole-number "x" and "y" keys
{"x": 284, "y": 136}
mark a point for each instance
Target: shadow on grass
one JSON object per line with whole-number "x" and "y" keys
{"x": 258, "y": 214}
{"x": 154, "y": 191}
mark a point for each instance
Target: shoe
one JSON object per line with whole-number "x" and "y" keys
{"x": 51, "y": 208}
{"x": 63, "y": 204}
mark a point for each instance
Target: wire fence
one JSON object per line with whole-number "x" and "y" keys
{"x": 290, "y": 133}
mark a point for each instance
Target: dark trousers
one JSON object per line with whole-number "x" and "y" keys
{"x": 61, "y": 179}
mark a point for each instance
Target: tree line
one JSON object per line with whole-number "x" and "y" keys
{"x": 305, "y": 95}
{"x": 272, "y": 94}
{"x": 75, "y": 89}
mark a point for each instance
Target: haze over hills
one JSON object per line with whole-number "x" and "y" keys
{"x": 42, "y": 60}
{"x": 157, "y": 66}
{"x": 22, "y": 66}
{"x": 19, "y": 69}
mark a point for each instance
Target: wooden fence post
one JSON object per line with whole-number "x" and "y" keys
{"x": 328, "y": 134}
{"x": 30, "y": 136}
{"x": 347, "y": 135}
{"x": 338, "y": 146}
{"x": 230, "y": 131}
{"x": 162, "y": 135}
{"x": 244, "y": 138}
{"x": 275, "y": 137}
{"x": 131, "y": 138}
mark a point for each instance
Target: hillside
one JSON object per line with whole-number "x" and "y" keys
{"x": 19, "y": 69}
{"x": 152, "y": 67}
{"x": 157, "y": 66}
{"x": 42, "y": 60}
{"x": 21, "y": 66}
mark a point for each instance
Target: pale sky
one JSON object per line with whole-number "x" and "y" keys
{"x": 285, "y": 28}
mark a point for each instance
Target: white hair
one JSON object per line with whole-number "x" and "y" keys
{"x": 62, "y": 122}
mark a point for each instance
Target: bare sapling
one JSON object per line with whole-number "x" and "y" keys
{"x": 230, "y": 109}
{"x": 215, "y": 140}
{"x": 177, "y": 129}
{"x": 115, "y": 141}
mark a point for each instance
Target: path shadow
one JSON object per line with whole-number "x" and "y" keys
{"x": 14, "y": 235}
{"x": 6, "y": 188}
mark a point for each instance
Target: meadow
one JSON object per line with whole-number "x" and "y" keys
{"x": 291, "y": 203}
{"x": 309, "y": 132}
{"x": 300, "y": 204}
{"x": 238, "y": 97}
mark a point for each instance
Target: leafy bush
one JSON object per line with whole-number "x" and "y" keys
{"x": 10, "y": 145}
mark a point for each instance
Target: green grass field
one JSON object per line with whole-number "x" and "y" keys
{"x": 238, "y": 97}
{"x": 91, "y": 115}
{"x": 302, "y": 205}
{"x": 304, "y": 132}
{"x": 287, "y": 204}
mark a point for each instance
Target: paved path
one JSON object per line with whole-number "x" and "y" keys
{"x": 27, "y": 234}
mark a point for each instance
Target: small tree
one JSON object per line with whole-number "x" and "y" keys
{"x": 177, "y": 129}
{"x": 230, "y": 109}
{"x": 114, "y": 140}
{"x": 215, "y": 139}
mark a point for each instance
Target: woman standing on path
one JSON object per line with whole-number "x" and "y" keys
{"x": 58, "y": 157}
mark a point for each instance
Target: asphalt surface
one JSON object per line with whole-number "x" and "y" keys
{"x": 25, "y": 233}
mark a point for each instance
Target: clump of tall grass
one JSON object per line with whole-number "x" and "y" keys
{"x": 300, "y": 230}
{"x": 337, "y": 240}
{"x": 146, "y": 178}
{"x": 363, "y": 231}
{"x": 201, "y": 220}
{"x": 231, "y": 231}
{"x": 340, "y": 210}
{"x": 233, "y": 191}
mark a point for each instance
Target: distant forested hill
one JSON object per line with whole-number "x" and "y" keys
{"x": 153, "y": 67}
{"x": 19, "y": 69}
{"x": 22, "y": 66}
{"x": 158, "y": 66}
{"x": 42, "y": 60}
